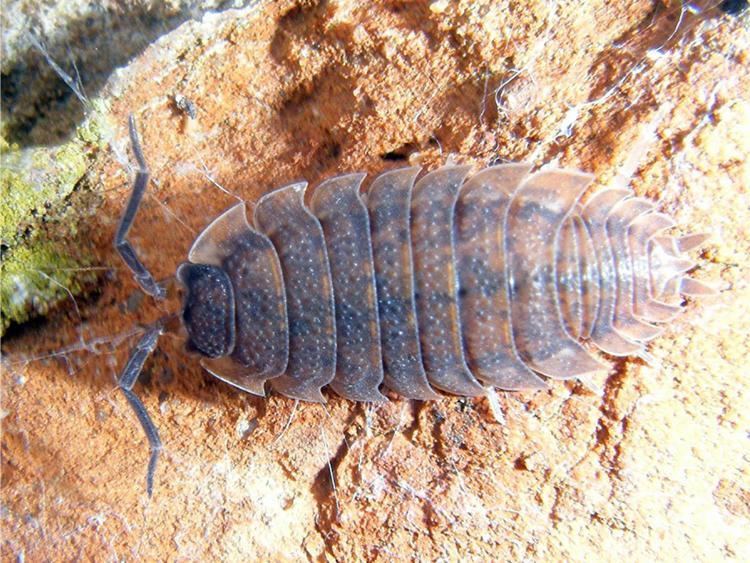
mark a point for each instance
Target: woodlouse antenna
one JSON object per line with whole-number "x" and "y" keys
{"x": 145, "y": 279}
{"x": 126, "y": 381}
{"x": 142, "y": 275}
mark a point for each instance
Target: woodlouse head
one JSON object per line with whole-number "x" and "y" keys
{"x": 208, "y": 309}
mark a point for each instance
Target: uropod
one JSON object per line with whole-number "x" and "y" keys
{"x": 448, "y": 282}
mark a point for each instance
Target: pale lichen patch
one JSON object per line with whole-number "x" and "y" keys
{"x": 37, "y": 224}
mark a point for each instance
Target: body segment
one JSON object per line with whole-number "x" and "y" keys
{"x": 298, "y": 238}
{"x": 346, "y": 227}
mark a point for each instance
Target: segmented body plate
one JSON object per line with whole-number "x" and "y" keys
{"x": 453, "y": 282}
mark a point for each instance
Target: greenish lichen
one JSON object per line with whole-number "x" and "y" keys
{"x": 36, "y": 278}
{"x": 36, "y": 188}
{"x": 32, "y": 182}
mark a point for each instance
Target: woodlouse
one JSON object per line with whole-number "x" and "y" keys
{"x": 451, "y": 282}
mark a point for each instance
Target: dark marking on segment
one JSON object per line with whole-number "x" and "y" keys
{"x": 537, "y": 330}
{"x": 432, "y": 208}
{"x": 483, "y": 292}
{"x": 250, "y": 261}
{"x": 262, "y": 344}
{"x": 346, "y": 226}
{"x": 388, "y": 201}
{"x": 298, "y": 238}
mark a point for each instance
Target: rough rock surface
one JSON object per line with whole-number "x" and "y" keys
{"x": 655, "y": 466}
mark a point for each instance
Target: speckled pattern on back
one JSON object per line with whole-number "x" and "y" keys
{"x": 262, "y": 332}
{"x": 359, "y": 368}
{"x": 298, "y": 238}
{"x": 483, "y": 299}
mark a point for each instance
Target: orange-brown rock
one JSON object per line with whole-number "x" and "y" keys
{"x": 653, "y": 467}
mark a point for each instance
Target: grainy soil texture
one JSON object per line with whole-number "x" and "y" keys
{"x": 644, "y": 463}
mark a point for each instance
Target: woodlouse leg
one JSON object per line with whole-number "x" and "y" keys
{"x": 127, "y": 379}
{"x": 123, "y": 246}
